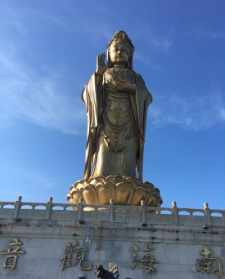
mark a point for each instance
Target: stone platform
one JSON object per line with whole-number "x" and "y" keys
{"x": 55, "y": 241}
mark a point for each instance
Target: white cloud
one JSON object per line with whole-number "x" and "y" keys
{"x": 161, "y": 43}
{"x": 196, "y": 113}
{"x": 154, "y": 39}
{"x": 41, "y": 100}
{"x": 222, "y": 113}
{"x": 98, "y": 28}
{"x": 209, "y": 34}
{"x": 44, "y": 100}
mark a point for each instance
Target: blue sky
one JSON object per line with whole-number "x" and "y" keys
{"x": 47, "y": 53}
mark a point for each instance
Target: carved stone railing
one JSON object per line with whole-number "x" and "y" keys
{"x": 81, "y": 213}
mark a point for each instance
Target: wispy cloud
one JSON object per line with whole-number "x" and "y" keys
{"x": 41, "y": 100}
{"x": 97, "y": 27}
{"x": 222, "y": 113}
{"x": 201, "y": 32}
{"x": 93, "y": 29}
{"x": 28, "y": 95}
{"x": 154, "y": 39}
{"x": 145, "y": 59}
{"x": 215, "y": 34}
{"x": 196, "y": 113}
{"x": 161, "y": 43}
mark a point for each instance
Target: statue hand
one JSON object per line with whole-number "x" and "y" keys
{"x": 100, "y": 63}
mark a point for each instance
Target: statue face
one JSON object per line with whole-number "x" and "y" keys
{"x": 119, "y": 53}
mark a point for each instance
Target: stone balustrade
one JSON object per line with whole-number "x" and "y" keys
{"x": 132, "y": 215}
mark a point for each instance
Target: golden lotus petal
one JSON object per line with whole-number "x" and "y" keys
{"x": 90, "y": 196}
{"x": 123, "y": 191}
{"x": 138, "y": 196}
{"x": 153, "y": 200}
{"x": 106, "y": 193}
{"x": 96, "y": 180}
{"x": 110, "y": 178}
{"x": 114, "y": 179}
{"x": 75, "y": 197}
{"x": 79, "y": 186}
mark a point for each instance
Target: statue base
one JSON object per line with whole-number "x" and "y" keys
{"x": 120, "y": 190}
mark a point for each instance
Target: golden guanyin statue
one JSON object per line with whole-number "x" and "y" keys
{"x": 116, "y": 100}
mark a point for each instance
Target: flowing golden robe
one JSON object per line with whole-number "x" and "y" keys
{"x": 116, "y": 119}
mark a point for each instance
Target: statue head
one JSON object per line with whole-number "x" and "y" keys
{"x": 120, "y": 50}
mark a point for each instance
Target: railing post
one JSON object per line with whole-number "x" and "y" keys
{"x": 18, "y": 207}
{"x": 81, "y": 213}
{"x": 49, "y": 209}
{"x": 143, "y": 214}
{"x": 111, "y": 210}
{"x": 223, "y": 218}
{"x": 207, "y": 214}
{"x": 175, "y": 212}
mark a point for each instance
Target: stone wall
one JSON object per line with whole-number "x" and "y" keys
{"x": 51, "y": 241}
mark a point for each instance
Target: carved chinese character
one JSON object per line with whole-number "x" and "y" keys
{"x": 143, "y": 258}
{"x": 208, "y": 263}
{"x": 12, "y": 254}
{"x": 74, "y": 254}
